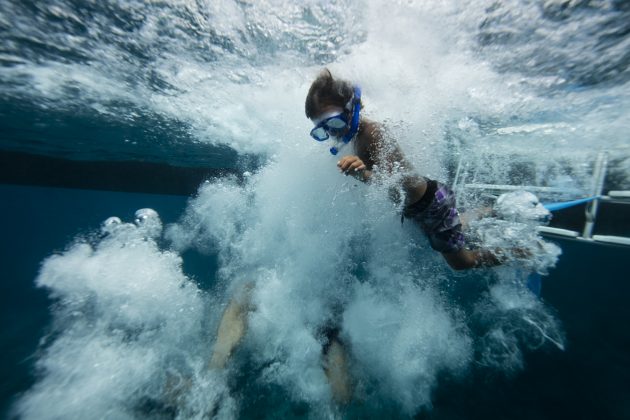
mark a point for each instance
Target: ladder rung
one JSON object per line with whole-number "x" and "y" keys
{"x": 558, "y": 231}
{"x": 531, "y": 188}
{"x": 614, "y": 200}
{"x": 619, "y": 194}
{"x": 617, "y": 240}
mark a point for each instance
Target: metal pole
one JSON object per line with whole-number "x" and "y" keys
{"x": 599, "y": 174}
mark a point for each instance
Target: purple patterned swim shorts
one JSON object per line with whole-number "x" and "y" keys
{"x": 438, "y": 217}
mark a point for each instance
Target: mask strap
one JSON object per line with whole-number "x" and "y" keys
{"x": 354, "y": 124}
{"x": 353, "y": 104}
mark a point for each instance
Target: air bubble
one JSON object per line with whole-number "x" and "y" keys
{"x": 149, "y": 221}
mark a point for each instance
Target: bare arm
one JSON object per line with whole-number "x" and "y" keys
{"x": 374, "y": 149}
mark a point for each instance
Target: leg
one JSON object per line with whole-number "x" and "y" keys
{"x": 336, "y": 370}
{"x": 465, "y": 259}
{"x": 231, "y": 329}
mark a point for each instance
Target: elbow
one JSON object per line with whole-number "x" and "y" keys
{"x": 462, "y": 260}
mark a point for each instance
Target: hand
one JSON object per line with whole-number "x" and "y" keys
{"x": 351, "y": 165}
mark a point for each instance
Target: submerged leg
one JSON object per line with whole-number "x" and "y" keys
{"x": 231, "y": 329}
{"x": 336, "y": 370}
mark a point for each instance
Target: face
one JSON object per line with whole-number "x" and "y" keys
{"x": 336, "y": 128}
{"x": 325, "y": 110}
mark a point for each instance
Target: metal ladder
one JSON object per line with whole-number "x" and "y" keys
{"x": 597, "y": 186}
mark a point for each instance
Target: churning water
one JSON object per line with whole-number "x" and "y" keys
{"x": 528, "y": 91}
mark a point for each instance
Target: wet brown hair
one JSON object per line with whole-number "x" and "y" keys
{"x": 326, "y": 90}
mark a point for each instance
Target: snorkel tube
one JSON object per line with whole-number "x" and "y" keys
{"x": 353, "y": 105}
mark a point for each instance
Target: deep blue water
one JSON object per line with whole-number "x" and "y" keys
{"x": 587, "y": 291}
{"x": 38, "y": 222}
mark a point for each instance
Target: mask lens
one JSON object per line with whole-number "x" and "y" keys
{"x": 335, "y": 126}
{"x": 336, "y": 132}
{"x": 336, "y": 123}
{"x": 319, "y": 134}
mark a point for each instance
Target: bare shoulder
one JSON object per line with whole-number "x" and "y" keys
{"x": 372, "y": 132}
{"x": 371, "y": 139}
{"x": 376, "y": 147}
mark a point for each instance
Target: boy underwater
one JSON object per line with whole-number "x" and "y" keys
{"x": 334, "y": 106}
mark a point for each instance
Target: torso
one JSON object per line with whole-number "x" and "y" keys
{"x": 368, "y": 142}
{"x": 373, "y": 146}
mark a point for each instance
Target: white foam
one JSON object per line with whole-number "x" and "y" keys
{"x": 512, "y": 320}
{"x": 401, "y": 342}
{"x": 126, "y": 321}
{"x": 319, "y": 250}
{"x": 521, "y": 206}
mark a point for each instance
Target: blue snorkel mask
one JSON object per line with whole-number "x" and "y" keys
{"x": 336, "y": 123}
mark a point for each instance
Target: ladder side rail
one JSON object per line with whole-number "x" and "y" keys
{"x": 590, "y": 213}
